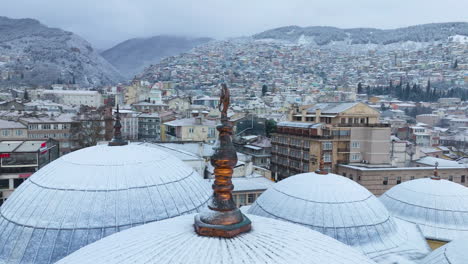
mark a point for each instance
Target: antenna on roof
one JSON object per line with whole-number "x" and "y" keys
{"x": 117, "y": 139}
{"x": 436, "y": 172}
{"x": 223, "y": 218}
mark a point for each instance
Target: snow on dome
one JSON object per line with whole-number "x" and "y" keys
{"x": 175, "y": 241}
{"x": 342, "y": 209}
{"x": 92, "y": 193}
{"x": 455, "y": 252}
{"x": 438, "y": 207}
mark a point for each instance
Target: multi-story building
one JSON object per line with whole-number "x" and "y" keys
{"x": 338, "y": 133}
{"x": 56, "y": 127}
{"x": 149, "y": 127}
{"x": 12, "y": 130}
{"x": 74, "y": 97}
{"x": 20, "y": 159}
{"x": 129, "y": 120}
{"x": 191, "y": 129}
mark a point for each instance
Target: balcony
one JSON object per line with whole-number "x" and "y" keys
{"x": 344, "y": 150}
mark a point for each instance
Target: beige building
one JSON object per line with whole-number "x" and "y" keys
{"x": 190, "y": 129}
{"x": 379, "y": 180}
{"x": 12, "y": 130}
{"x": 348, "y": 133}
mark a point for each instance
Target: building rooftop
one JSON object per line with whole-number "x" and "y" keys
{"x": 175, "y": 241}
{"x": 92, "y": 193}
{"x": 331, "y": 108}
{"x": 438, "y": 207}
{"x": 342, "y": 209}
{"x": 4, "y": 124}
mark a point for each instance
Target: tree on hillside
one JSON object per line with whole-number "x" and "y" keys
{"x": 264, "y": 89}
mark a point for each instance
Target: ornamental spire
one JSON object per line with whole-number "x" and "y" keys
{"x": 321, "y": 169}
{"x": 117, "y": 139}
{"x": 436, "y": 172}
{"x": 223, "y": 218}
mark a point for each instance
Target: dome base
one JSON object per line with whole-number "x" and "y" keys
{"x": 226, "y": 231}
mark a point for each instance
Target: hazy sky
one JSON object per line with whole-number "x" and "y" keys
{"x": 107, "y": 22}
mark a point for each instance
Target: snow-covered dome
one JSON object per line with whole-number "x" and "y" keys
{"x": 175, "y": 241}
{"x": 455, "y": 252}
{"x": 92, "y": 193}
{"x": 438, "y": 207}
{"x": 341, "y": 208}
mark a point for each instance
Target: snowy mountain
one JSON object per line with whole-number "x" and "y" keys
{"x": 34, "y": 54}
{"x": 326, "y": 35}
{"x": 133, "y": 55}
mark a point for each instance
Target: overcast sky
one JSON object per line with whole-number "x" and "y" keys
{"x": 107, "y": 22}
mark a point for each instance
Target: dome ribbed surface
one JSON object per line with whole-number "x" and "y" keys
{"x": 438, "y": 207}
{"x": 342, "y": 209}
{"x": 175, "y": 241}
{"x": 455, "y": 252}
{"x": 91, "y": 193}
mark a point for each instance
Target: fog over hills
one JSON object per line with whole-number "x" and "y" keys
{"x": 34, "y": 54}
{"x": 132, "y": 56}
{"x": 322, "y": 35}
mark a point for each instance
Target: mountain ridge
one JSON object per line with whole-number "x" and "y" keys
{"x": 323, "y": 35}
{"x": 37, "y": 55}
{"x": 132, "y": 56}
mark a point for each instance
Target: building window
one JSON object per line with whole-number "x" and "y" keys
{"x": 398, "y": 181}
{"x": 250, "y": 198}
{"x": 412, "y": 178}
{"x": 327, "y": 145}
{"x": 450, "y": 178}
{"x": 5, "y": 133}
{"x": 19, "y": 132}
{"x": 5, "y": 184}
{"x": 462, "y": 179}
{"x": 385, "y": 181}
{"x": 241, "y": 199}
{"x": 327, "y": 157}
{"x": 359, "y": 177}
{"x": 356, "y": 156}
{"x": 355, "y": 144}
{"x": 17, "y": 182}
{"x": 351, "y": 177}
{"x": 46, "y": 126}
{"x": 344, "y": 174}
{"x": 190, "y": 130}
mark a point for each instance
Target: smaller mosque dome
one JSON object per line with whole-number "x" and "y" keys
{"x": 438, "y": 207}
{"x": 92, "y": 193}
{"x": 175, "y": 241}
{"x": 341, "y": 208}
{"x": 455, "y": 252}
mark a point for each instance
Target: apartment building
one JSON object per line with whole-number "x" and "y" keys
{"x": 50, "y": 126}
{"x": 20, "y": 159}
{"x": 191, "y": 129}
{"x": 12, "y": 130}
{"x": 338, "y": 133}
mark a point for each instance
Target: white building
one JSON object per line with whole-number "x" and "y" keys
{"x": 74, "y": 97}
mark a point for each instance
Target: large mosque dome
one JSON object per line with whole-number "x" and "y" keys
{"x": 175, "y": 241}
{"x": 92, "y": 193}
{"x": 342, "y": 209}
{"x": 455, "y": 252}
{"x": 438, "y": 207}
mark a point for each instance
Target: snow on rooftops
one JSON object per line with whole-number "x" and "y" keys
{"x": 191, "y": 122}
{"x": 343, "y": 209}
{"x": 251, "y": 183}
{"x": 431, "y": 161}
{"x": 175, "y": 241}
{"x": 299, "y": 124}
{"x": 4, "y": 124}
{"x": 455, "y": 252}
{"x": 91, "y": 193}
{"x": 331, "y": 108}
{"x": 438, "y": 207}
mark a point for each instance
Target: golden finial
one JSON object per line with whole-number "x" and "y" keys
{"x": 436, "y": 172}
{"x": 321, "y": 169}
{"x": 223, "y": 218}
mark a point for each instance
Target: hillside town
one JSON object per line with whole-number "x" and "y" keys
{"x": 365, "y": 118}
